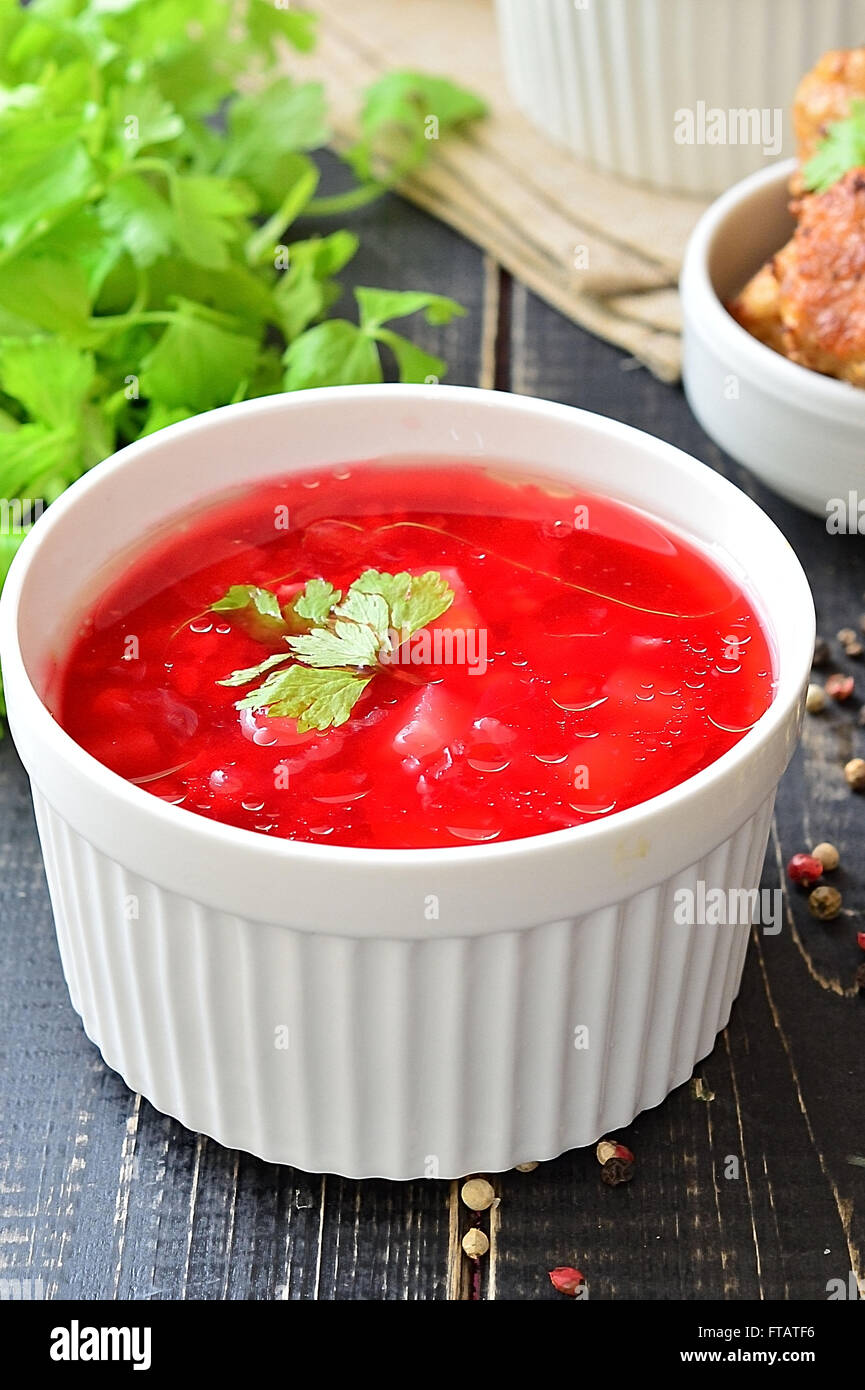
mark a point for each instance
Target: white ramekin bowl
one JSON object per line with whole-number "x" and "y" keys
{"x": 416, "y": 1045}
{"x": 611, "y": 78}
{"x": 802, "y": 433}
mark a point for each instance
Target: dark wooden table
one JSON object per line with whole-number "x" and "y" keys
{"x": 103, "y": 1197}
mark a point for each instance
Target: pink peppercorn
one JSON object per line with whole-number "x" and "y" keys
{"x": 805, "y": 869}
{"x": 567, "y": 1280}
{"x": 839, "y": 687}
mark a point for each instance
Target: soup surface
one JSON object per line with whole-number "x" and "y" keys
{"x": 581, "y": 657}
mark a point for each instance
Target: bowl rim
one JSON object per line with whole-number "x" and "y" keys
{"x": 800, "y": 386}
{"x": 608, "y": 832}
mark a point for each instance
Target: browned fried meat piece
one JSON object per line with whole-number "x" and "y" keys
{"x": 824, "y": 95}
{"x": 758, "y": 310}
{"x": 809, "y": 301}
{"x": 821, "y": 282}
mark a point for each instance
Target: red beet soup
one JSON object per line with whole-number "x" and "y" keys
{"x": 415, "y": 655}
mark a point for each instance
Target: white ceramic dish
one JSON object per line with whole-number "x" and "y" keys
{"x": 609, "y": 78}
{"x": 800, "y": 432}
{"x": 415, "y": 1046}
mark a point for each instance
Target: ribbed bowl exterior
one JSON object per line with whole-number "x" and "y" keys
{"x": 298, "y": 1000}
{"x": 396, "y": 1058}
{"x": 606, "y": 77}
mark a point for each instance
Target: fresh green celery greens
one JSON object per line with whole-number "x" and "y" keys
{"x": 147, "y": 271}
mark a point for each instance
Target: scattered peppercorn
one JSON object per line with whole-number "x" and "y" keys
{"x": 526, "y": 1167}
{"x": 853, "y": 650}
{"x": 822, "y": 652}
{"x": 804, "y": 869}
{"x": 839, "y": 687}
{"x": 475, "y": 1243}
{"x": 815, "y": 699}
{"x": 828, "y": 856}
{"x": 567, "y": 1280}
{"x": 860, "y": 978}
{"x": 825, "y": 903}
{"x": 478, "y": 1194}
{"x": 854, "y": 772}
{"x": 610, "y": 1148}
{"x": 616, "y": 1171}
{"x": 846, "y": 636}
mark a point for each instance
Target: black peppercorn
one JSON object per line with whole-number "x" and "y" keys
{"x": 822, "y": 652}
{"x": 616, "y": 1171}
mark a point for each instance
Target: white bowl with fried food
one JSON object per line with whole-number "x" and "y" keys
{"x": 779, "y": 386}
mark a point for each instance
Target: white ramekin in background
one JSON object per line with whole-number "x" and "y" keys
{"x": 607, "y": 77}
{"x": 800, "y": 432}
{"x": 415, "y": 1046}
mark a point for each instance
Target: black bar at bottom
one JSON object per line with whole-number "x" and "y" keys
{"x": 635, "y": 1338}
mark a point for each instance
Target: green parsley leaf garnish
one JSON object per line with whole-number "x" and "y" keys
{"x": 316, "y": 600}
{"x": 344, "y": 643}
{"x": 842, "y": 149}
{"x": 147, "y": 265}
{"x": 245, "y": 595}
{"x": 256, "y": 610}
{"x": 335, "y": 661}
{"x": 366, "y": 608}
{"x": 316, "y": 699}
{"x": 413, "y": 600}
{"x": 252, "y": 672}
